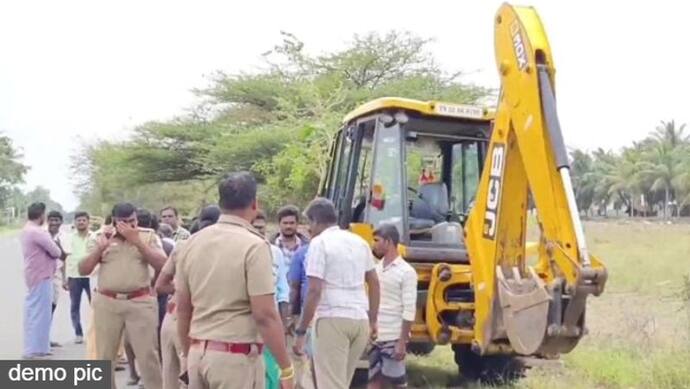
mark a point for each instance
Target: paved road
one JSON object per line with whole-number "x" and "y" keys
{"x": 12, "y": 292}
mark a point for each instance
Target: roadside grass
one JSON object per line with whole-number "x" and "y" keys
{"x": 641, "y": 257}
{"x": 437, "y": 370}
{"x": 632, "y": 366}
{"x": 5, "y": 230}
{"x": 639, "y": 329}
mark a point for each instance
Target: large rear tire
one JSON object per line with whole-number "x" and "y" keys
{"x": 420, "y": 348}
{"x": 360, "y": 379}
{"x": 493, "y": 369}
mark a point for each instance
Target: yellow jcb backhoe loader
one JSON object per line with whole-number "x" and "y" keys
{"x": 457, "y": 181}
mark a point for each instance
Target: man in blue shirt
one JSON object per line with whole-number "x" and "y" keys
{"x": 297, "y": 276}
{"x": 280, "y": 271}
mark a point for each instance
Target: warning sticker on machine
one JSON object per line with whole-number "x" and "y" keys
{"x": 459, "y": 110}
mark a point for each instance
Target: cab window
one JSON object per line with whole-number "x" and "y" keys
{"x": 386, "y": 203}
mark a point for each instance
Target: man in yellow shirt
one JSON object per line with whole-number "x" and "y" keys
{"x": 76, "y": 283}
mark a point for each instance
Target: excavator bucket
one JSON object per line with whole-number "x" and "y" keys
{"x": 524, "y": 304}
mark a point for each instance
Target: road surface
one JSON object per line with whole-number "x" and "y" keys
{"x": 12, "y": 292}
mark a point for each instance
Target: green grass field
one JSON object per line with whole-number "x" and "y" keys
{"x": 639, "y": 329}
{"x": 4, "y": 230}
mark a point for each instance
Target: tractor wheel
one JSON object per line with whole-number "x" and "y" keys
{"x": 492, "y": 370}
{"x": 360, "y": 379}
{"x": 420, "y": 349}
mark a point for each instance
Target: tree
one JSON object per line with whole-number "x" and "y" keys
{"x": 584, "y": 182}
{"x": 665, "y": 161}
{"x": 277, "y": 122}
{"x": 41, "y": 194}
{"x": 681, "y": 182}
{"x": 602, "y": 177}
{"x": 11, "y": 169}
{"x": 666, "y": 133}
{"x": 652, "y": 173}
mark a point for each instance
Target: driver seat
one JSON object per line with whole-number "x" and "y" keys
{"x": 430, "y": 207}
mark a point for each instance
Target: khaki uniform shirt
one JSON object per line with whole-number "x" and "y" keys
{"x": 222, "y": 266}
{"x": 123, "y": 268}
{"x": 169, "y": 269}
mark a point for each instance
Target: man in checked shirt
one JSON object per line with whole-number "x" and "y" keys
{"x": 398, "y": 282}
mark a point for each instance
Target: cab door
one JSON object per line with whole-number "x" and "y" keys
{"x": 387, "y": 198}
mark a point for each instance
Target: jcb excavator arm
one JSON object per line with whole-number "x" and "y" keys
{"x": 538, "y": 307}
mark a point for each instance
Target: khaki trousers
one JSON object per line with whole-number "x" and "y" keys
{"x": 210, "y": 369}
{"x": 170, "y": 352}
{"x": 302, "y": 365}
{"x": 139, "y": 317}
{"x": 91, "y": 339}
{"x": 339, "y": 343}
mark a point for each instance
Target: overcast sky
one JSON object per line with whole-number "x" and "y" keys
{"x": 95, "y": 69}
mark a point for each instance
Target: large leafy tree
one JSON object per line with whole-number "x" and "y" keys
{"x": 12, "y": 170}
{"x": 279, "y": 120}
{"x": 41, "y": 194}
{"x": 276, "y": 122}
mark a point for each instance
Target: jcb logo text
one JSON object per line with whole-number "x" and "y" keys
{"x": 493, "y": 198}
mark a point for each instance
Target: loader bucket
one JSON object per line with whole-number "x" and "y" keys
{"x": 525, "y": 306}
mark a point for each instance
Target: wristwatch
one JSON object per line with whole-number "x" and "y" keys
{"x": 299, "y": 332}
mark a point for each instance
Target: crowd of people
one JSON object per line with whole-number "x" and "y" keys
{"x": 222, "y": 305}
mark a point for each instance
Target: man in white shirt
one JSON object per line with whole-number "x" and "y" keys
{"x": 338, "y": 265}
{"x": 54, "y": 226}
{"x": 398, "y": 282}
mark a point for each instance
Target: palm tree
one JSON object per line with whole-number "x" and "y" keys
{"x": 667, "y": 133}
{"x": 620, "y": 181}
{"x": 665, "y": 162}
{"x": 583, "y": 180}
{"x": 603, "y": 163}
{"x": 681, "y": 184}
{"x": 653, "y": 170}
{"x": 640, "y": 185}
{"x": 663, "y": 165}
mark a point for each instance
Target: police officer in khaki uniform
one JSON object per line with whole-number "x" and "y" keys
{"x": 226, "y": 311}
{"x": 124, "y": 300}
{"x": 171, "y": 347}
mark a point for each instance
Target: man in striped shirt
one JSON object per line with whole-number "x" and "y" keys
{"x": 398, "y": 282}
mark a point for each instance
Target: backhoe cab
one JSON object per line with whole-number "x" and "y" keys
{"x": 456, "y": 181}
{"x": 412, "y": 164}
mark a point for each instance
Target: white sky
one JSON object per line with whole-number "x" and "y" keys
{"x": 89, "y": 69}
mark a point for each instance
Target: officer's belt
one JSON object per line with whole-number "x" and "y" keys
{"x": 126, "y": 295}
{"x": 234, "y": 348}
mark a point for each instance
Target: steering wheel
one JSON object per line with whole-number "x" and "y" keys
{"x": 425, "y": 201}
{"x": 415, "y": 191}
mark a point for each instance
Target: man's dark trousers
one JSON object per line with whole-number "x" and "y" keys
{"x": 76, "y": 287}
